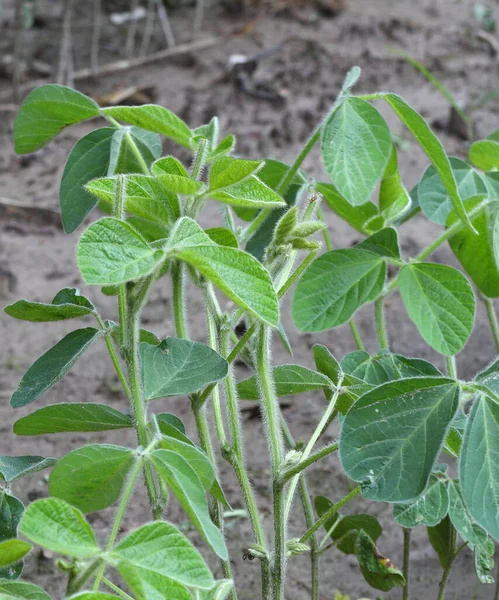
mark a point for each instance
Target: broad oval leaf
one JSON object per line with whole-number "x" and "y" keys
{"x": 222, "y": 237}
{"x": 15, "y": 467}
{"x": 356, "y": 146}
{"x": 68, "y": 304}
{"x": 394, "y": 199}
{"x": 227, "y": 171}
{"x": 52, "y": 366}
{"x": 378, "y": 571}
{"x": 334, "y": 286}
{"x": 54, "y": 524}
{"x": 149, "y": 585}
{"x": 45, "y": 111}
{"x": 196, "y": 458}
{"x": 440, "y": 538}
{"x": 429, "y": 509}
{"x": 153, "y": 118}
{"x": 478, "y": 252}
{"x": 173, "y": 175}
{"x": 11, "y": 590}
{"x": 112, "y": 252}
{"x": 178, "y": 367}
{"x": 288, "y": 379}
{"x": 11, "y": 511}
{"x": 89, "y": 158}
{"x": 60, "y": 418}
{"x": 168, "y": 420}
{"x": 122, "y": 158}
{"x": 434, "y": 198}
{"x": 441, "y": 303}
{"x": 249, "y": 193}
{"x": 479, "y": 467}
{"x": 12, "y": 551}
{"x": 461, "y": 518}
{"x": 162, "y": 548}
{"x": 384, "y": 243}
{"x": 384, "y": 426}
{"x": 189, "y": 491}
{"x": 91, "y": 478}
{"x": 238, "y": 274}
{"x": 484, "y": 154}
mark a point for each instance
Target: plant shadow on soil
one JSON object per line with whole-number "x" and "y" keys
{"x": 318, "y": 47}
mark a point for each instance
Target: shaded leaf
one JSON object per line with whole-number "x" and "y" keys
{"x": 12, "y": 551}
{"x": 68, "y": 304}
{"x": 288, "y": 379}
{"x": 122, "y": 158}
{"x": 222, "y": 237}
{"x": 173, "y": 175}
{"x": 384, "y": 243}
{"x": 22, "y": 589}
{"x": 429, "y": 509}
{"x": 394, "y": 200}
{"x": 15, "y": 467}
{"x": 249, "y": 193}
{"x": 357, "y": 217}
{"x": 484, "y": 154}
{"x": 378, "y": 571}
{"x": 440, "y": 538}
{"x": 11, "y": 511}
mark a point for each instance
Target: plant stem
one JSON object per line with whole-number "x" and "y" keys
{"x": 116, "y": 589}
{"x": 114, "y": 358}
{"x": 325, "y": 232}
{"x": 136, "y": 152}
{"x": 448, "y": 566}
{"x": 327, "y": 515}
{"x": 356, "y": 334}
{"x": 310, "y": 446}
{"x": 304, "y": 463}
{"x": 380, "y": 323}
{"x": 178, "y": 300}
{"x": 450, "y": 362}
{"x": 491, "y": 314}
{"x": 125, "y": 499}
{"x": 119, "y": 213}
{"x": 76, "y": 583}
{"x": 407, "y": 553}
{"x": 270, "y": 408}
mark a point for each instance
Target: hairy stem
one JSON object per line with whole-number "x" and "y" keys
{"x": 379, "y": 316}
{"x": 136, "y": 152}
{"x": 407, "y": 553}
{"x": 306, "y": 462}
{"x": 356, "y": 334}
{"x": 271, "y": 412}
{"x": 491, "y": 314}
{"x": 116, "y": 589}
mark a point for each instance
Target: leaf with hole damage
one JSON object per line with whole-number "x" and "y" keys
{"x": 52, "y": 366}
{"x": 429, "y": 509}
{"x": 161, "y": 548}
{"x": 89, "y": 158}
{"x": 238, "y": 274}
{"x": 356, "y": 146}
{"x": 478, "y": 252}
{"x": 92, "y": 478}
{"x": 112, "y": 252}
{"x": 153, "y": 118}
{"x": 379, "y": 572}
{"x": 434, "y": 198}
{"x": 334, "y": 286}
{"x": 441, "y": 303}
{"x": 67, "y": 304}
{"x": 54, "y": 524}
{"x": 15, "y": 467}
{"x": 479, "y": 467}
{"x": 46, "y": 111}
{"x": 64, "y": 417}
{"x": 385, "y": 425}
{"x": 178, "y": 367}
{"x": 288, "y": 379}
{"x": 187, "y": 487}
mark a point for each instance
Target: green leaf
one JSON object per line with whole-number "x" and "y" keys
{"x": 225, "y": 147}
{"x": 356, "y": 216}
{"x": 92, "y": 596}
{"x": 52, "y": 366}
{"x": 440, "y": 538}
{"x": 161, "y": 548}
{"x": 441, "y": 303}
{"x": 434, "y": 198}
{"x": 432, "y": 147}
{"x": 210, "y": 131}
{"x": 356, "y": 146}
{"x": 384, "y": 243}
{"x": 145, "y": 197}
{"x": 196, "y": 458}
{"x": 484, "y": 561}
{"x": 378, "y": 571}
{"x": 112, "y": 251}
{"x": 429, "y": 509}
{"x": 220, "y": 591}
{"x": 326, "y": 363}
{"x": 22, "y": 589}
{"x": 11, "y": 511}
{"x": 344, "y": 530}
{"x": 478, "y": 252}
{"x": 222, "y": 237}
{"x": 153, "y": 118}
{"x": 46, "y": 111}
{"x": 394, "y": 199}
{"x": 168, "y": 420}
{"x": 227, "y": 171}
{"x": 149, "y": 585}
{"x": 384, "y": 366}
{"x": 479, "y": 467}
{"x": 178, "y": 367}
{"x": 461, "y": 518}
{"x": 92, "y": 478}
{"x": 484, "y": 154}
{"x": 381, "y": 430}
{"x": 88, "y": 159}
{"x": 334, "y": 286}
{"x": 123, "y": 160}
{"x": 249, "y": 193}
{"x": 238, "y": 274}
{"x": 15, "y": 467}
{"x": 12, "y": 551}
{"x": 172, "y": 174}
{"x": 57, "y": 526}
{"x": 189, "y": 491}
{"x": 68, "y": 304}
{"x": 288, "y": 379}
{"x": 489, "y": 377}
{"x": 60, "y": 418}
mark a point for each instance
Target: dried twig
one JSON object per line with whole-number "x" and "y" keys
{"x": 165, "y": 24}
{"x": 96, "y": 32}
{"x": 132, "y": 30}
{"x": 491, "y": 40}
{"x": 199, "y": 16}
{"x": 18, "y": 50}
{"x": 65, "y": 74}
{"x": 149, "y": 28}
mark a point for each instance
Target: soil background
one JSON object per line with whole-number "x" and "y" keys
{"x": 315, "y": 45}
